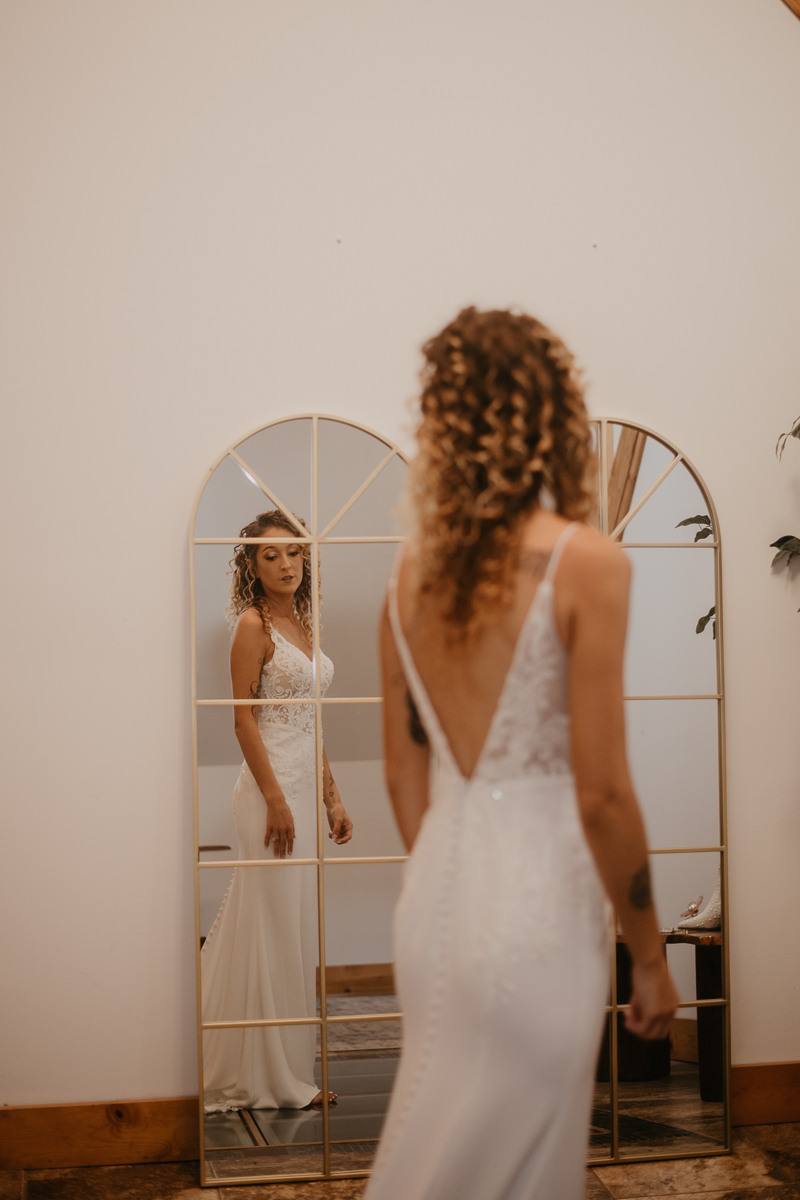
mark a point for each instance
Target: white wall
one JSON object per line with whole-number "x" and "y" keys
{"x": 219, "y": 213}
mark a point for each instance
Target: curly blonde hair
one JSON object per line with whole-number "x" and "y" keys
{"x": 247, "y": 590}
{"x": 502, "y": 420}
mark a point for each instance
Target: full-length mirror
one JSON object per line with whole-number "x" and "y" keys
{"x": 669, "y": 1099}
{"x": 295, "y": 532}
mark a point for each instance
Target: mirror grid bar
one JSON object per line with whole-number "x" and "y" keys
{"x": 720, "y": 1002}
{"x": 299, "y": 541}
{"x": 254, "y": 702}
{"x": 348, "y": 1019}
{"x": 319, "y": 764}
{"x": 303, "y": 862}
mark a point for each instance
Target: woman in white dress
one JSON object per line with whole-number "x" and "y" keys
{"x": 259, "y": 959}
{"x": 502, "y": 646}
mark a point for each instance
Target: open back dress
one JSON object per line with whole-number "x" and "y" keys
{"x": 501, "y": 951}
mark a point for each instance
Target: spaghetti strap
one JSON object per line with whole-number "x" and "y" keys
{"x": 558, "y": 550}
{"x": 416, "y": 687}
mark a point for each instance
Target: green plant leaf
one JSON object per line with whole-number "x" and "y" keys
{"x": 701, "y": 624}
{"x": 702, "y": 533}
{"x": 787, "y": 548}
{"x": 698, "y": 520}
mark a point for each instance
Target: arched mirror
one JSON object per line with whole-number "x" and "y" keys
{"x": 295, "y": 985}
{"x": 294, "y": 955}
{"x": 670, "y": 1099}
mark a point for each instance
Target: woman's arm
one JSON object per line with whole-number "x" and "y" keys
{"x": 593, "y": 612}
{"x": 340, "y": 823}
{"x": 250, "y": 650}
{"x": 406, "y": 757}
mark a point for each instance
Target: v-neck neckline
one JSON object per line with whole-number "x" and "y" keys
{"x": 308, "y": 657}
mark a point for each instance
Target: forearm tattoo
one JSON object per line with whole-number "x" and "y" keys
{"x": 639, "y": 894}
{"x": 415, "y": 727}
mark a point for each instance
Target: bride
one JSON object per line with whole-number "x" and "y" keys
{"x": 502, "y": 648}
{"x": 259, "y": 959}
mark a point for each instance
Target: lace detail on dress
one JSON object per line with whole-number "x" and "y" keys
{"x": 290, "y": 675}
{"x": 530, "y": 731}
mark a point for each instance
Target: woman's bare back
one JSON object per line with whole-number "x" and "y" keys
{"x": 464, "y": 680}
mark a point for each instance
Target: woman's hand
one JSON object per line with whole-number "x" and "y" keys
{"x": 340, "y": 823}
{"x": 653, "y": 1000}
{"x": 280, "y": 827}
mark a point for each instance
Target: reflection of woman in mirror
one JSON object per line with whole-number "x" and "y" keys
{"x": 505, "y": 631}
{"x": 259, "y": 960}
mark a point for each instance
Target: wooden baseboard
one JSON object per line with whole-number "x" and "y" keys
{"x": 92, "y": 1135}
{"x": 765, "y": 1093}
{"x": 140, "y": 1131}
{"x": 373, "y": 979}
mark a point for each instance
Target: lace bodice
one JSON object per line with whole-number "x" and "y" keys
{"x": 529, "y": 733}
{"x": 290, "y": 676}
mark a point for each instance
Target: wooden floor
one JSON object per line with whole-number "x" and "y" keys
{"x": 765, "y": 1164}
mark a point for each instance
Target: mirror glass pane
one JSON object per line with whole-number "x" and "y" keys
{"x": 671, "y": 1092}
{"x": 671, "y": 591}
{"x": 347, "y": 458}
{"x": 274, "y": 909}
{"x": 635, "y": 462}
{"x": 280, "y": 457}
{"x": 662, "y": 1109}
{"x": 672, "y": 752}
{"x": 353, "y": 742}
{"x": 231, "y": 809}
{"x": 353, "y": 583}
{"x": 359, "y": 910}
{"x": 377, "y": 513}
{"x": 258, "y": 1138}
{"x": 362, "y": 1073}
{"x": 679, "y": 881}
{"x": 212, "y": 578}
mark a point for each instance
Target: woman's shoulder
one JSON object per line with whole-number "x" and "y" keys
{"x": 250, "y": 633}
{"x": 593, "y": 563}
{"x": 250, "y": 619}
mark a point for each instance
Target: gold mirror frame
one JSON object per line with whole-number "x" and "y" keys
{"x": 318, "y": 537}
{"x": 615, "y": 513}
{"x": 617, "y": 481}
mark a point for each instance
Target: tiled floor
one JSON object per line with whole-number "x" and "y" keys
{"x": 765, "y": 1164}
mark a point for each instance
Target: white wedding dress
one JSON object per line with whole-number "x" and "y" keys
{"x": 501, "y": 952}
{"x": 259, "y": 959}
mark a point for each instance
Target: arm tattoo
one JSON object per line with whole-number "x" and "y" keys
{"x": 640, "y": 896}
{"x": 254, "y": 686}
{"x": 415, "y": 727}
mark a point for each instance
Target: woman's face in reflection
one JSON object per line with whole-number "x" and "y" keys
{"x": 279, "y": 567}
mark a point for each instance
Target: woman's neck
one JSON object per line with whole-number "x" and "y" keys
{"x": 281, "y": 607}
